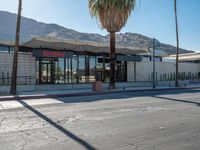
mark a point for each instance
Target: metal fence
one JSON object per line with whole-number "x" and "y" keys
{"x": 5, "y": 79}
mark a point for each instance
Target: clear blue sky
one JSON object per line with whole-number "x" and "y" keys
{"x": 153, "y": 18}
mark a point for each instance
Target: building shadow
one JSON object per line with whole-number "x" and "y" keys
{"x": 177, "y": 100}
{"x": 69, "y": 134}
{"x": 127, "y": 95}
{"x": 116, "y": 95}
{"x": 103, "y": 97}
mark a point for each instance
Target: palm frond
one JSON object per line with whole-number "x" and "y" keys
{"x": 112, "y": 14}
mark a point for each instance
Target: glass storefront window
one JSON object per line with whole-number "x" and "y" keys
{"x": 37, "y": 71}
{"x": 45, "y": 73}
{"x": 107, "y": 72}
{"x": 74, "y": 73}
{"x": 71, "y": 73}
{"x": 99, "y": 68}
{"x": 92, "y": 69}
{"x": 120, "y": 74}
{"x": 4, "y": 49}
{"x": 81, "y": 69}
{"x": 59, "y": 78}
{"x": 68, "y": 70}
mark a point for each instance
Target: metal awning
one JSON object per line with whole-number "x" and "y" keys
{"x": 158, "y": 53}
{"x": 129, "y": 58}
{"x": 80, "y": 46}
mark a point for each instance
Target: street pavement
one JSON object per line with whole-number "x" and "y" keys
{"x": 151, "y": 120}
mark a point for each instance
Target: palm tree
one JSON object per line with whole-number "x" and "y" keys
{"x": 112, "y": 15}
{"x": 177, "y": 43}
{"x": 15, "y": 58}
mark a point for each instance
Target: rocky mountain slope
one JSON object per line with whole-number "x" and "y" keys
{"x": 31, "y": 28}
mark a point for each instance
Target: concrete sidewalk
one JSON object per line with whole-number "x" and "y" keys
{"x": 84, "y": 92}
{"x": 73, "y": 96}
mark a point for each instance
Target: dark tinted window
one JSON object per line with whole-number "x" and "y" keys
{"x": 4, "y": 49}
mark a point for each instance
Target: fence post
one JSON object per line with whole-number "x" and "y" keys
{"x": 30, "y": 78}
{"x": 8, "y": 78}
{"x": 26, "y": 83}
{"x": 3, "y": 77}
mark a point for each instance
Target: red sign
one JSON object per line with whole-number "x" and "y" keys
{"x": 53, "y": 54}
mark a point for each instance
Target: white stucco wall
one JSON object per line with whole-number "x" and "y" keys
{"x": 144, "y": 69}
{"x": 26, "y": 67}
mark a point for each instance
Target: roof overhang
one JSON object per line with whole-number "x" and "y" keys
{"x": 80, "y": 46}
{"x": 158, "y": 53}
{"x": 7, "y": 43}
{"x": 187, "y": 56}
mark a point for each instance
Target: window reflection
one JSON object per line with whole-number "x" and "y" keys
{"x": 82, "y": 68}
{"x": 92, "y": 69}
{"x": 74, "y": 73}
{"x": 60, "y": 71}
{"x": 4, "y": 49}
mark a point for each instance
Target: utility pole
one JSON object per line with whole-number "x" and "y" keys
{"x": 13, "y": 88}
{"x": 154, "y": 43}
{"x": 154, "y": 65}
{"x": 177, "y": 44}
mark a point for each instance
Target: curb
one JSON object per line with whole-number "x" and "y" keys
{"x": 14, "y": 98}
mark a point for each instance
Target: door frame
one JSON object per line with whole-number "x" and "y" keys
{"x": 52, "y": 71}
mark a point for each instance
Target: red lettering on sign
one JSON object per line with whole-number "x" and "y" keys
{"x": 53, "y": 54}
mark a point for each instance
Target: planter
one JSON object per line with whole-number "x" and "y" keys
{"x": 97, "y": 86}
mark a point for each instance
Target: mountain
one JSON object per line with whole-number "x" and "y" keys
{"x": 31, "y": 28}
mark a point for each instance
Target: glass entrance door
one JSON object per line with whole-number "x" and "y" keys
{"x": 47, "y": 72}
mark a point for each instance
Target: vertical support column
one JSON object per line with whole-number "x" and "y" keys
{"x": 135, "y": 77}
{"x": 87, "y": 68}
{"x": 65, "y": 70}
{"x": 154, "y": 76}
{"x": 53, "y": 72}
{"x": 36, "y": 70}
{"x": 126, "y": 71}
{"x": 77, "y": 70}
{"x": 68, "y": 68}
{"x": 71, "y": 66}
{"x": 3, "y": 78}
{"x": 58, "y": 76}
{"x": 95, "y": 68}
{"x": 40, "y": 70}
{"x": 104, "y": 67}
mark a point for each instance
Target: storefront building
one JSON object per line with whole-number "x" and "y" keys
{"x": 61, "y": 62}
{"x": 55, "y": 61}
{"x": 55, "y": 67}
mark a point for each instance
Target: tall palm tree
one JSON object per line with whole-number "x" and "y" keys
{"x": 15, "y": 57}
{"x": 112, "y": 15}
{"x": 177, "y": 43}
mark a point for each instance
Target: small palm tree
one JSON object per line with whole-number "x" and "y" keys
{"x": 177, "y": 43}
{"x": 112, "y": 15}
{"x": 15, "y": 58}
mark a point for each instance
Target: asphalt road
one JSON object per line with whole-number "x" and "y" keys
{"x": 165, "y": 120}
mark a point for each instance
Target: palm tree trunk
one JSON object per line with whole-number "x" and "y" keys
{"x": 15, "y": 57}
{"x": 112, "y": 61}
{"x": 177, "y": 44}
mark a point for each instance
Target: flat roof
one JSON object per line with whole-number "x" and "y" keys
{"x": 7, "y": 42}
{"x": 80, "y": 46}
{"x": 187, "y": 56}
{"x": 158, "y": 53}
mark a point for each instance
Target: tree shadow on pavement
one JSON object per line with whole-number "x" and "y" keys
{"x": 85, "y": 144}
